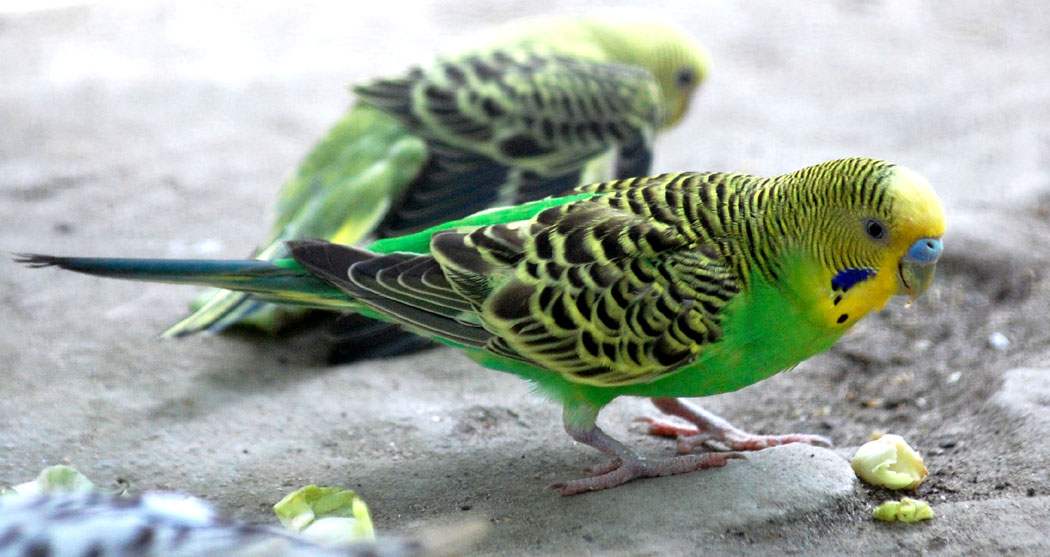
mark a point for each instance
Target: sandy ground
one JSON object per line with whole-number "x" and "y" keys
{"x": 157, "y": 129}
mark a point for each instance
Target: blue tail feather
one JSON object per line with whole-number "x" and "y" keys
{"x": 283, "y": 281}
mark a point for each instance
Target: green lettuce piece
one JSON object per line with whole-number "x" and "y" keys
{"x": 328, "y": 515}
{"x": 54, "y": 479}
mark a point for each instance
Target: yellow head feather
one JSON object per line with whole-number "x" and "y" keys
{"x": 864, "y": 250}
{"x": 677, "y": 61}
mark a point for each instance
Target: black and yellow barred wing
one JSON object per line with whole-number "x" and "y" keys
{"x": 545, "y": 112}
{"x": 592, "y": 289}
{"x": 531, "y": 123}
{"x": 600, "y": 290}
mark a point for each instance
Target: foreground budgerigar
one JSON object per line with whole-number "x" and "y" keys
{"x": 549, "y": 106}
{"x": 684, "y": 284}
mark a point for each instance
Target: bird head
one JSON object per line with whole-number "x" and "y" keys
{"x": 876, "y": 233}
{"x": 677, "y": 61}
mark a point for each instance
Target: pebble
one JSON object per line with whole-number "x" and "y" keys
{"x": 1024, "y": 395}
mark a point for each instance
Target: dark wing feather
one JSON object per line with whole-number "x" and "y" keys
{"x": 407, "y": 288}
{"x": 454, "y": 184}
{"x": 634, "y": 158}
{"x": 548, "y": 113}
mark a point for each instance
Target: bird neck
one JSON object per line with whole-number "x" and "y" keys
{"x": 750, "y": 221}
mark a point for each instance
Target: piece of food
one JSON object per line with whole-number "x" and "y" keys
{"x": 889, "y": 462}
{"x": 905, "y": 510}
{"x": 328, "y": 515}
{"x": 54, "y": 479}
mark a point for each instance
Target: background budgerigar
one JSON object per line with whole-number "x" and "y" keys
{"x": 678, "y": 285}
{"x": 547, "y": 107}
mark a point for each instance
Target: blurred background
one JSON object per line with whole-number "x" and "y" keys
{"x": 245, "y": 87}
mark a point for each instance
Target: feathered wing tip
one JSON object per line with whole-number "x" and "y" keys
{"x": 216, "y": 311}
{"x": 354, "y": 337}
{"x": 222, "y": 310}
{"x": 405, "y": 288}
{"x": 325, "y": 259}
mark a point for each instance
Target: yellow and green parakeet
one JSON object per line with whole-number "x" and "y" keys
{"x": 549, "y": 106}
{"x": 678, "y": 285}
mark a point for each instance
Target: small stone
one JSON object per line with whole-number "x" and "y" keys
{"x": 998, "y": 341}
{"x": 780, "y": 481}
{"x": 1024, "y": 395}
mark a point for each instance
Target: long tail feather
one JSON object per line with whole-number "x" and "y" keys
{"x": 221, "y": 310}
{"x": 281, "y": 282}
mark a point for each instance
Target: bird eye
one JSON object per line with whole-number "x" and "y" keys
{"x": 874, "y": 229}
{"x": 684, "y": 78}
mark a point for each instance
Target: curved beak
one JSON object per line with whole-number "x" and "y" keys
{"x": 917, "y": 267}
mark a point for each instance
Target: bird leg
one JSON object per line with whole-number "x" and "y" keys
{"x": 626, "y": 465}
{"x": 714, "y": 432}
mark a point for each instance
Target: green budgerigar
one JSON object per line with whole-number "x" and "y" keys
{"x": 549, "y": 105}
{"x": 679, "y": 285}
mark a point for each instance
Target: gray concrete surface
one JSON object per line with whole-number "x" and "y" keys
{"x": 163, "y": 129}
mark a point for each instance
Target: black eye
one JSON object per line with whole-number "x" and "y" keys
{"x": 874, "y": 229}
{"x": 684, "y": 78}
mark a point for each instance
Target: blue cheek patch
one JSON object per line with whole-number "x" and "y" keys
{"x": 848, "y": 278}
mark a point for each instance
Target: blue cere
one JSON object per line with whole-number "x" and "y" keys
{"x": 925, "y": 250}
{"x": 848, "y": 278}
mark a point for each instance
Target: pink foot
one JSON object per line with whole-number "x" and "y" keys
{"x": 715, "y": 433}
{"x": 665, "y": 428}
{"x": 618, "y": 472}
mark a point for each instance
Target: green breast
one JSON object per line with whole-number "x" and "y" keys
{"x": 766, "y": 330}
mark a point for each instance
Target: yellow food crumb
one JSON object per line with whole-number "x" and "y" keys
{"x": 889, "y": 462}
{"x": 905, "y": 510}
